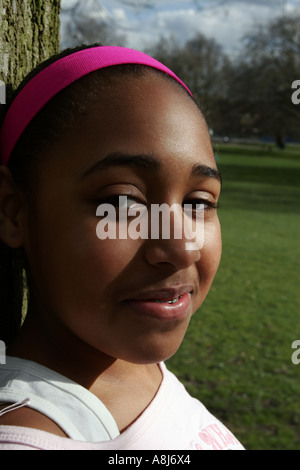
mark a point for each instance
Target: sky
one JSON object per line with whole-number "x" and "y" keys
{"x": 226, "y": 21}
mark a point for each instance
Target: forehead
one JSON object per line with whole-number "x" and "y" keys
{"x": 146, "y": 114}
{"x": 147, "y": 94}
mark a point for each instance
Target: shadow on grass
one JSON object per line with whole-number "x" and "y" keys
{"x": 265, "y": 199}
{"x": 291, "y": 152}
{"x": 258, "y": 174}
{"x": 260, "y": 188}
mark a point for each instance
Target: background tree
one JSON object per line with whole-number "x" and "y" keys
{"x": 262, "y": 78}
{"x": 200, "y": 63}
{"x": 29, "y": 33}
{"x": 89, "y": 22}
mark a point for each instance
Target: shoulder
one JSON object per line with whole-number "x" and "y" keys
{"x": 27, "y": 417}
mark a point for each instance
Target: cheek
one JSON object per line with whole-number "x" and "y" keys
{"x": 102, "y": 261}
{"x": 70, "y": 265}
{"x": 210, "y": 256}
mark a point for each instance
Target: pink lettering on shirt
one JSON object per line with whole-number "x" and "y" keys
{"x": 215, "y": 436}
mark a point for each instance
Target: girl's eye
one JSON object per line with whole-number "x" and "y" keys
{"x": 197, "y": 205}
{"x": 129, "y": 202}
{"x": 123, "y": 202}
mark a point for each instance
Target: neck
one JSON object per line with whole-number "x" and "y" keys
{"x": 114, "y": 381}
{"x": 68, "y": 355}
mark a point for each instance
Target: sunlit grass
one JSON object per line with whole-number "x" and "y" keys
{"x": 236, "y": 357}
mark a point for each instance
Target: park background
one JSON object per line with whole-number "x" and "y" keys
{"x": 240, "y": 59}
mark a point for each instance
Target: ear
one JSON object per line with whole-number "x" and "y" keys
{"x": 11, "y": 210}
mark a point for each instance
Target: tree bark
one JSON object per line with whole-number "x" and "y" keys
{"x": 29, "y": 34}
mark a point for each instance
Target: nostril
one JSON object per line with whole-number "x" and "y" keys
{"x": 173, "y": 252}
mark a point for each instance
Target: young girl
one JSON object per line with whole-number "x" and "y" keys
{"x": 86, "y": 369}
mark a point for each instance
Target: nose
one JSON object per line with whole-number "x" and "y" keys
{"x": 171, "y": 244}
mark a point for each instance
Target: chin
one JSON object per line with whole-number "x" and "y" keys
{"x": 155, "y": 353}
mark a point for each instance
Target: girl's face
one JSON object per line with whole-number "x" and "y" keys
{"x": 127, "y": 298}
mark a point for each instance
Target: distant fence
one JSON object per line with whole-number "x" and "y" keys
{"x": 262, "y": 141}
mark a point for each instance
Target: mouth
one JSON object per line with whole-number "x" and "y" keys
{"x": 173, "y": 301}
{"x": 164, "y": 304}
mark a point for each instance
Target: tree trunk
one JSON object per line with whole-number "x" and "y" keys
{"x": 29, "y": 33}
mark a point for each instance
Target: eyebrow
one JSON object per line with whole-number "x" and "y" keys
{"x": 206, "y": 171}
{"x": 146, "y": 162}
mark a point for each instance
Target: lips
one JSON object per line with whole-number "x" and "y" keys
{"x": 164, "y": 294}
{"x": 164, "y": 304}
{"x": 173, "y": 301}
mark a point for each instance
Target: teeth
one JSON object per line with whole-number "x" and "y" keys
{"x": 173, "y": 301}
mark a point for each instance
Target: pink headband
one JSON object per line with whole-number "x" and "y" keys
{"x": 47, "y": 83}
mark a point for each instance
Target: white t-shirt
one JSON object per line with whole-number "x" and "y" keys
{"x": 172, "y": 421}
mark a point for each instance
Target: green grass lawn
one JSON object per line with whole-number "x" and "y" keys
{"x": 236, "y": 356}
